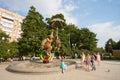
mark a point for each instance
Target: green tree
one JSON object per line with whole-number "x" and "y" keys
{"x": 101, "y": 50}
{"x": 117, "y": 46}
{"x": 4, "y": 45}
{"x": 34, "y": 31}
{"x": 13, "y": 49}
{"x": 110, "y": 45}
{"x": 72, "y": 42}
{"x": 86, "y": 39}
{"x": 3, "y": 36}
{"x": 60, "y": 16}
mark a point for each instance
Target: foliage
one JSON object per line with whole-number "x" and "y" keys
{"x": 34, "y": 31}
{"x": 83, "y": 38}
{"x": 87, "y": 39}
{"x": 60, "y": 16}
{"x": 4, "y": 50}
{"x": 117, "y": 45}
{"x": 111, "y": 58}
{"x": 4, "y": 45}
{"x": 110, "y": 44}
{"x": 13, "y": 49}
{"x": 100, "y": 50}
{"x": 3, "y": 36}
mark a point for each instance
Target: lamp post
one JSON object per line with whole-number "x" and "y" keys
{"x": 2, "y": 39}
{"x": 110, "y": 49}
{"x": 74, "y": 46}
{"x": 69, "y": 39}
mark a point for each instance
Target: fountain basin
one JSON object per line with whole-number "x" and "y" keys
{"x": 39, "y": 67}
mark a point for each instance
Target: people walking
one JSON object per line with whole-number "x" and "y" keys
{"x": 93, "y": 62}
{"x": 98, "y": 58}
{"x": 88, "y": 62}
{"x": 82, "y": 58}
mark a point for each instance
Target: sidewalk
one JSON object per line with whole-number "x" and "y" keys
{"x": 76, "y": 74}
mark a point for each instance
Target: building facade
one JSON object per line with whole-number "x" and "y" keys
{"x": 116, "y": 52}
{"x": 10, "y": 22}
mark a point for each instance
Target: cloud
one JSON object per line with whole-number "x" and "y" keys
{"x": 46, "y": 7}
{"x": 106, "y": 31}
{"x": 69, "y": 7}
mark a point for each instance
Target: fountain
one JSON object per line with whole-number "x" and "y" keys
{"x": 46, "y": 56}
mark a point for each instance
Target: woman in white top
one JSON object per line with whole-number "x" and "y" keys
{"x": 82, "y": 58}
{"x": 98, "y": 58}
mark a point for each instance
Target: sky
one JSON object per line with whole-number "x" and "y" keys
{"x": 100, "y": 16}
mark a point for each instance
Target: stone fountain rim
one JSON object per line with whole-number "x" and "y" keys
{"x": 13, "y": 68}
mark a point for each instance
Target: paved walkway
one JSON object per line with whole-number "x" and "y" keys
{"x": 76, "y": 74}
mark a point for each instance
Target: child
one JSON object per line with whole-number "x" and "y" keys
{"x": 62, "y": 66}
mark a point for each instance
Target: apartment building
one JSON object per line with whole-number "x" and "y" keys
{"x": 10, "y": 23}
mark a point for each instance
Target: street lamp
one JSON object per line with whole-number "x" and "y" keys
{"x": 69, "y": 39}
{"x": 74, "y": 45}
{"x": 110, "y": 49}
{"x": 2, "y": 39}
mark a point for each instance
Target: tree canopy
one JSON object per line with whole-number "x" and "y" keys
{"x": 35, "y": 30}
{"x": 7, "y": 49}
{"x": 112, "y": 45}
